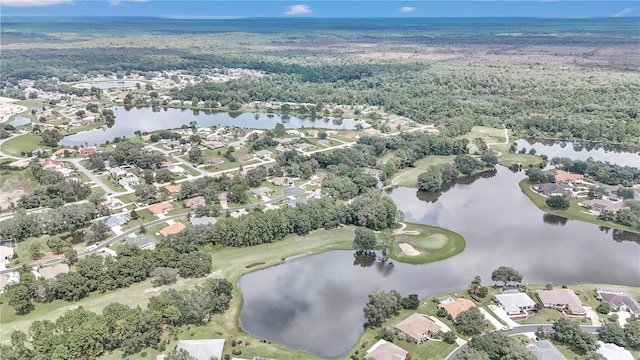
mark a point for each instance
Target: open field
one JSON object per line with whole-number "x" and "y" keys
{"x": 409, "y": 176}
{"x": 26, "y": 142}
{"x": 433, "y": 243}
{"x": 575, "y": 211}
{"x": 14, "y": 184}
{"x": 496, "y": 140}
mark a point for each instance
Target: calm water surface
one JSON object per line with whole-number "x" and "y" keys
{"x": 109, "y": 84}
{"x": 145, "y": 119}
{"x": 315, "y": 303}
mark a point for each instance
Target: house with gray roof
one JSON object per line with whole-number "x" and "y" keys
{"x": 129, "y": 180}
{"x": 115, "y": 220}
{"x": 144, "y": 242}
{"x": 203, "y": 220}
{"x": 203, "y": 349}
{"x": 262, "y": 191}
{"x": 550, "y": 189}
{"x": 544, "y": 350}
{"x": 263, "y": 153}
{"x": 296, "y": 201}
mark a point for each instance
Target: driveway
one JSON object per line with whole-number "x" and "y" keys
{"x": 497, "y": 324}
{"x": 591, "y": 314}
{"x": 500, "y": 313}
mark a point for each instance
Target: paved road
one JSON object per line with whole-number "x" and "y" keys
{"x": 90, "y": 175}
{"x": 521, "y": 329}
{"x": 285, "y": 194}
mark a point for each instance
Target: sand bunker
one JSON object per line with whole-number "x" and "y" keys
{"x": 408, "y": 249}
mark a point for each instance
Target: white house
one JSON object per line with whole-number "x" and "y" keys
{"x": 515, "y": 304}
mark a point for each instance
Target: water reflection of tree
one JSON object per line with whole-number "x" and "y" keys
{"x": 432, "y": 197}
{"x": 554, "y": 219}
{"x": 365, "y": 258}
{"x": 621, "y": 235}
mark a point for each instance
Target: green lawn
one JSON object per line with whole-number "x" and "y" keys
{"x": 434, "y": 244}
{"x": 409, "y": 176}
{"x": 26, "y": 142}
{"x": 495, "y": 138}
{"x": 575, "y": 211}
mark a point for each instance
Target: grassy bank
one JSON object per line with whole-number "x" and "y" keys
{"x": 432, "y": 242}
{"x": 575, "y": 211}
{"x": 18, "y": 144}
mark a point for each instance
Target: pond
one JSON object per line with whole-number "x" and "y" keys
{"x": 108, "y": 84}
{"x": 315, "y": 303}
{"x": 20, "y": 121}
{"x": 578, "y": 151}
{"x": 127, "y": 122}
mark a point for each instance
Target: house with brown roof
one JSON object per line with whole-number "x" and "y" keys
{"x": 562, "y": 299}
{"x": 282, "y": 181}
{"x": 372, "y": 131}
{"x": 455, "y": 307}
{"x": 418, "y": 327}
{"x": 567, "y": 177}
{"x": 160, "y": 208}
{"x": 604, "y": 205}
{"x": 172, "y": 229}
{"x": 245, "y": 158}
{"x": 53, "y": 271}
{"x": 195, "y": 202}
{"x": 62, "y": 151}
{"x": 383, "y": 350}
{"x": 88, "y": 150}
{"x": 51, "y": 164}
{"x": 214, "y": 161}
{"x": 173, "y": 189}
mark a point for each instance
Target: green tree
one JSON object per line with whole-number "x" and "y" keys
{"x": 163, "y": 276}
{"x": 449, "y": 172}
{"x": 465, "y": 164}
{"x": 19, "y": 297}
{"x": 380, "y": 306}
{"x": 196, "y": 155}
{"x": 471, "y": 322}
{"x": 558, "y": 202}
{"x": 279, "y": 130}
{"x": 71, "y": 255}
{"x": 180, "y": 354}
{"x": 430, "y": 180}
{"x": 611, "y": 332}
{"x": 569, "y": 333}
{"x": 625, "y": 193}
{"x": 506, "y": 275}
{"x": 632, "y": 332}
{"x": 604, "y": 308}
{"x": 56, "y": 244}
{"x": 365, "y": 239}
{"x": 410, "y": 302}
{"x": 36, "y": 250}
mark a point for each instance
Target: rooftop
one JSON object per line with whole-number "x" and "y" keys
{"x": 172, "y": 229}
{"x": 562, "y": 297}
{"x": 383, "y": 350}
{"x": 417, "y": 326}
{"x": 515, "y": 302}
{"x": 53, "y": 271}
{"x": 159, "y": 208}
{"x": 457, "y": 306}
{"x": 544, "y": 350}
{"x": 203, "y": 349}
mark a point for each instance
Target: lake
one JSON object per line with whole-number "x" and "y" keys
{"x": 109, "y": 84}
{"x": 315, "y": 303}
{"x": 578, "y": 151}
{"x": 146, "y": 119}
{"x": 20, "y": 122}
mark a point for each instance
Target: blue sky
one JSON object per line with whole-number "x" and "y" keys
{"x": 335, "y": 8}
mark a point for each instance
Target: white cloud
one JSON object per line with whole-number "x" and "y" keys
{"x": 298, "y": 10}
{"x": 407, "y": 9}
{"x": 624, "y": 12}
{"x": 114, "y": 2}
{"x": 32, "y": 3}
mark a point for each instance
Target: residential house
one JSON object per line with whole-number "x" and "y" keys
{"x": 293, "y": 132}
{"x": 418, "y": 327}
{"x": 351, "y": 136}
{"x": 619, "y": 299}
{"x": 313, "y": 133}
{"x": 117, "y": 171}
{"x": 239, "y": 213}
{"x": 213, "y": 144}
{"x": 545, "y": 350}
{"x": 144, "y": 242}
{"x": 112, "y": 203}
{"x": 61, "y": 152}
{"x": 280, "y": 148}
{"x": 129, "y": 180}
{"x": 222, "y": 197}
{"x": 455, "y": 306}
{"x": 302, "y": 146}
{"x": 173, "y": 189}
{"x": 323, "y": 142}
{"x": 283, "y": 140}
{"x": 195, "y": 202}
{"x": 21, "y": 163}
{"x": 373, "y": 132}
{"x": 203, "y": 220}
{"x": 6, "y": 253}
{"x": 53, "y": 271}
{"x": 88, "y": 151}
{"x": 262, "y": 192}
{"x": 203, "y": 349}
{"x": 115, "y": 220}
{"x": 172, "y": 229}
{"x": 302, "y": 200}
{"x": 212, "y": 161}
{"x": 318, "y": 179}
{"x": 245, "y": 158}
{"x": 604, "y": 205}
{"x": 549, "y": 189}
{"x": 515, "y": 304}
{"x": 178, "y": 170}
{"x": 263, "y": 153}
{"x": 282, "y": 181}
{"x": 237, "y": 145}
{"x": 567, "y": 177}
{"x": 8, "y": 279}
{"x": 614, "y": 352}
{"x": 160, "y": 208}
{"x": 383, "y": 350}
{"x": 51, "y": 164}
{"x": 561, "y": 299}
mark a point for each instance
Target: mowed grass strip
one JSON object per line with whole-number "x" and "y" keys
{"x": 432, "y": 242}
{"x": 26, "y": 143}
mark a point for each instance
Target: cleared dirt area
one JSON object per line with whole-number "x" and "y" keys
{"x": 13, "y": 187}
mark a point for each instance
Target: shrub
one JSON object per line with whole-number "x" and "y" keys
{"x": 233, "y": 343}
{"x": 604, "y": 308}
{"x": 236, "y": 352}
{"x": 449, "y": 337}
{"x": 143, "y": 354}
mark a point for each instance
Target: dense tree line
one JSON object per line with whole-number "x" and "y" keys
{"x": 95, "y": 273}
{"x": 372, "y": 209}
{"x": 54, "y": 191}
{"x": 629, "y": 216}
{"x": 381, "y": 305}
{"x": 82, "y": 334}
{"x": 126, "y": 153}
{"x": 604, "y": 172}
{"x": 64, "y": 219}
{"x": 433, "y": 178}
